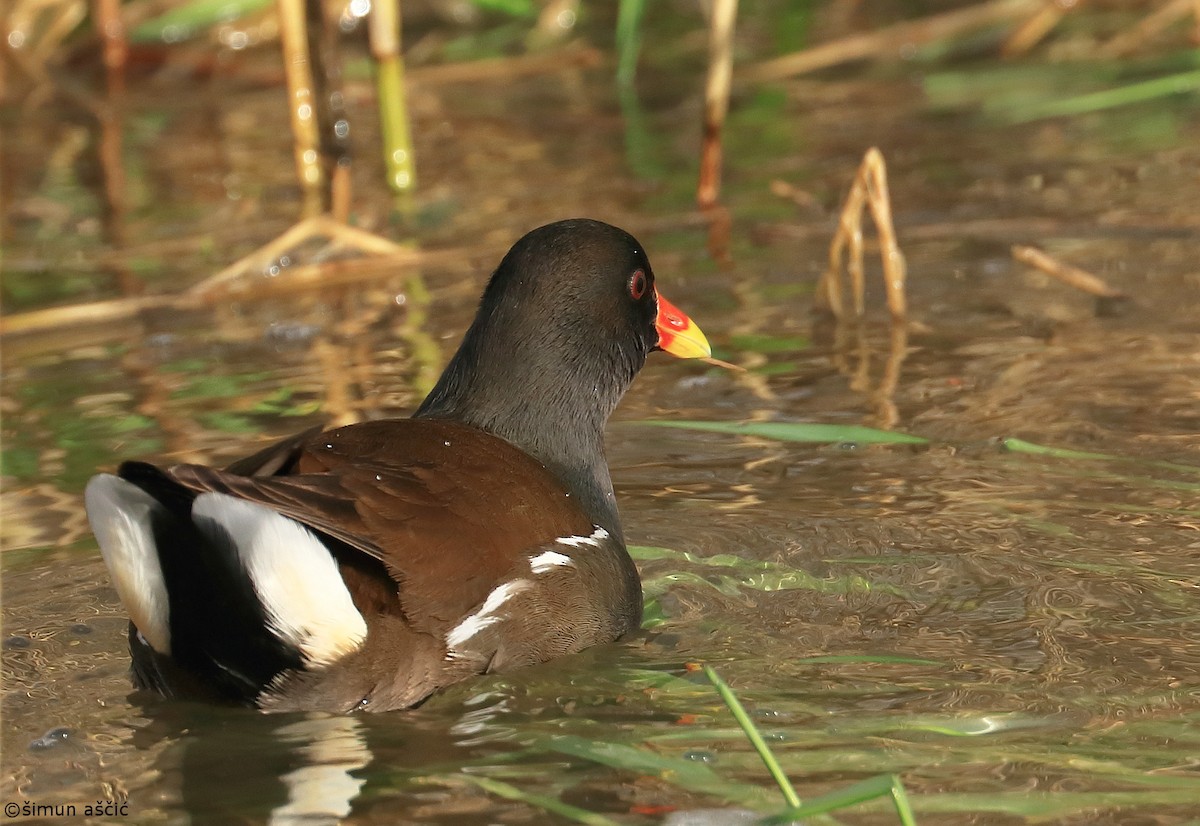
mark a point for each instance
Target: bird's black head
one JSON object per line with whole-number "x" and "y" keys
{"x": 565, "y": 323}
{"x": 578, "y": 293}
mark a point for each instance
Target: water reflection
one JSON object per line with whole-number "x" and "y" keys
{"x": 325, "y": 786}
{"x": 286, "y": 769}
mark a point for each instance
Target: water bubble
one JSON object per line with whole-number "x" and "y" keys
{"x": 290, "y": 332}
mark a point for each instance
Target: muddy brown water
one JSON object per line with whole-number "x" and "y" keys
{"x": 1017, "y": 635}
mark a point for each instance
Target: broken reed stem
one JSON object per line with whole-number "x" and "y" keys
{"x": 880, "y": 202}
{"x": 1072, "y": 276}
{"x": 333, "y": 125}
{"x": 95, "y": 312}
{"x": 724, "y": 365}
{"x": 289, "y": 282}
{"x": 1151, "y": 25}
{"x": 106, "y": 15}
{"x": 110, "y": 116}
{"x": 716, "y": 99}
{"x": 1033, "y": 30}
{"x": 292, "y": 237}
{"x": 54, "y": 24}
{"x": 849, "y": 234}
{"x": 868, "y": 190}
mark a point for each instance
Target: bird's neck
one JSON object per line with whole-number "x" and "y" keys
{"x": 553, "y": 410}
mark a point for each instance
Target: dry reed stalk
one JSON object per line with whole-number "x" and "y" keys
{"x": 297, "y": 64}
{"x": 868, "y": 191}
{"x": 212, "y": 292}
{"x": 95, "y": 312}
{"x": 716, "y": 98}
{"x": 891, "y": 39}
{"x": 303, "y": 231}
{"x": 1035, "y": 28}
{"x": 329, "y": 274}
{"x": 1071, "y": 276}
{"x": 1150, "y": 26}
{"x": 106, "y": 15}
{"x": 324, "y": 38}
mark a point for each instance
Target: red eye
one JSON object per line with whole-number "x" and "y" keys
{"x": 637, "y": 284}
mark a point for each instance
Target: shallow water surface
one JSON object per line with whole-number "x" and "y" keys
{"x": 1017, "y": 634}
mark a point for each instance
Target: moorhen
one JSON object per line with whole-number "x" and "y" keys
{"x": 366, "y": 567}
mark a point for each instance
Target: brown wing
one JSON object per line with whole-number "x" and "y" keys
{"x": 446, "y": 508}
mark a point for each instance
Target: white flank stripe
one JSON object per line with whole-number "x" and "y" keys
{"x": 548, "y": 561}
{"x": 486, "y": 615}
{"x": 598, "y": 536}
{"x": 120, "y": 514}
{"x": 293, "y": 574}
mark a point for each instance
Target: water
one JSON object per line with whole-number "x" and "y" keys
{"x": 1016, "y": 634}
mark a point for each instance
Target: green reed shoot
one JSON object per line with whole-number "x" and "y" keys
{"x": 885, "y": 785}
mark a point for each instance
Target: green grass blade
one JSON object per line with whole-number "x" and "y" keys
{"x": 687, "y": 774}
{"x": 629, "y": 39}
{"x": 394, "y": 124}
{"x": 1042, "y": 806}
{"x": 903, "y": 808}
{"x": 767, "y": 345}
{"x": 1159, "y": 87}
{"x": 1022, "y": 446}
{"x": 869, "y": 789}
{"x": 796, "y": 431}
{"x": 190, "y": 19}
{"x": 522, "y": 9}
{"x": 760, "y": 745}
{"x": 548, "y": 804}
